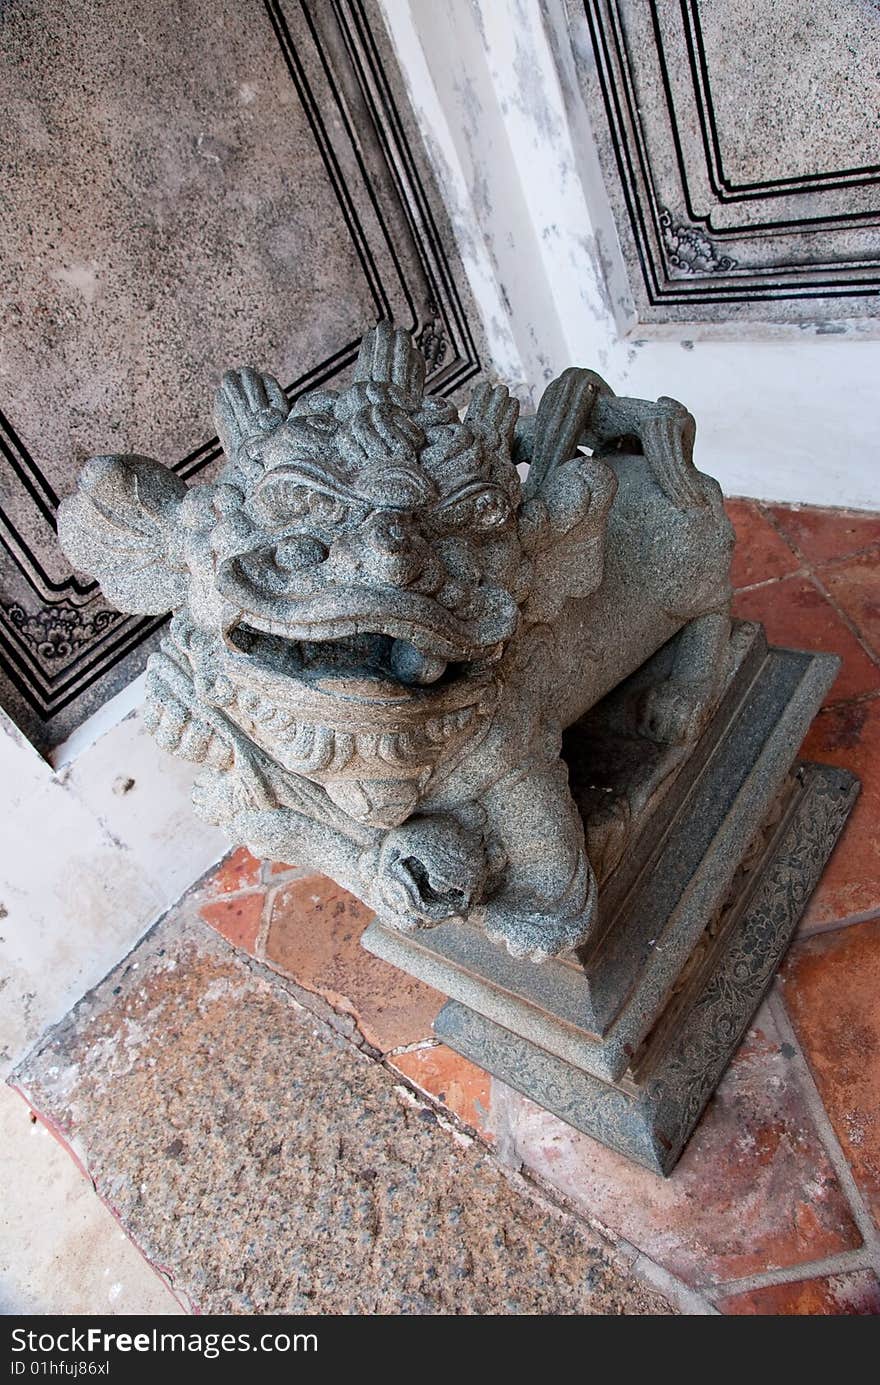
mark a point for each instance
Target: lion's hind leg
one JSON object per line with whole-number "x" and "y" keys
{"x": 678, "y": 709}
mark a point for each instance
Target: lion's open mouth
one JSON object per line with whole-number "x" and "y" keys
{"x": 366, "y": 656}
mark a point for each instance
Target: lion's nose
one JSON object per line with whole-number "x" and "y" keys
{"x": 394, "y": 552}
{"x": 390, "y": 531}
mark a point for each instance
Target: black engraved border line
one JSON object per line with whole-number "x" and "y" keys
{"x": 467, "y": 365}
{"x": 388, "y": 118}
{"x": 735, "y": 232}
{"x": 839, "y": 286}
{"x": 328, "y": 154}
{"x": 660, "y": 288}
{"x": 43, "y": 495}
{"x": 51, "y": 704}
{"x": 723, "y": 187}
{"x": 620, "y": 144}
{"x": 351, "y": 134}
{"x": 121, "y": 640}
{"x": 105, "y": 652}
{"x": 731, "y": 232}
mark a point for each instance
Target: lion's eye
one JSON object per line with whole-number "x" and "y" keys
{"x": 328, "y": 509}
{"x": 280, "y": 502}
{"x": 491, "y": 510}
{"x": 485, "y": 511}
{"x": 286, "y": 500}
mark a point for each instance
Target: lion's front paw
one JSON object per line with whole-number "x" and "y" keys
{"x": 676, "y": 711}
{"x": 540, "y": 927}
{"x": 534, "y": 936}
{"x": 428, "y": 870}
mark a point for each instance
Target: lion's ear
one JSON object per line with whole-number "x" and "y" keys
{"x": 119, "y": 526}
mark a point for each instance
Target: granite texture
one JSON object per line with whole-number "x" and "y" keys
{"x": 651, "y": 1114}
{"x": 268, "y": 1167}
{"x": 762, "y": 1189}
{"x": 738, "y": 141}
{"x": 380, "y": 628}
{"x": 681, "y": 869}
{"x": 627, "y": 1040}
{"x": 184, "y": 185}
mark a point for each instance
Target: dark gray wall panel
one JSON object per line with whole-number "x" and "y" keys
{"x": 187, "y": 186}
{"x": 740, "y": 142}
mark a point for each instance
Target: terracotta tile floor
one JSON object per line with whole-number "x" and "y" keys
{"x": 813, "y": 577}
{"x": 775, "y": 1206}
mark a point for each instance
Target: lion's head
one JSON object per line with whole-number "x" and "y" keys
{"x": 347, "y": 589}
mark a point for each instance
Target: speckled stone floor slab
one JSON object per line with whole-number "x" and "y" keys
{"x": 268, "y": 1166}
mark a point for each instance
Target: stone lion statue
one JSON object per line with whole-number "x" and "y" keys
{"x": 385, "y": 615}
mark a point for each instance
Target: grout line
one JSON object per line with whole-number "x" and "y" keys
{"x": 831, "y": 925}
{"x": 689, "y": 1302}
{"x": 771, "y": 581}
{"x": 313, "y": 1003}
{"x": 415, "y": 1047}
{"x": 292, "y": 873}
{"x": 811, "y": 573}
{"x": 261, "y": 886}
{"x": 766, "y": 513}
{"x": 243, "y": 893}
{"x": 855, "y": 701}
{"x": 827, "y": 1134}
{"x": 846, "y": 1261}
{"x": 269, "y": 893}
{"x": 840, "y": 558}
{"x": 842, "y": 615}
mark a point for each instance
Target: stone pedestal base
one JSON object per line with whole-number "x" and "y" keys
{"x": 706, "y": 863}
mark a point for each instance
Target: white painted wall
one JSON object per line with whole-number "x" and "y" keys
{"x": 782, "y": 413}
{"x": 92, "y": 854}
